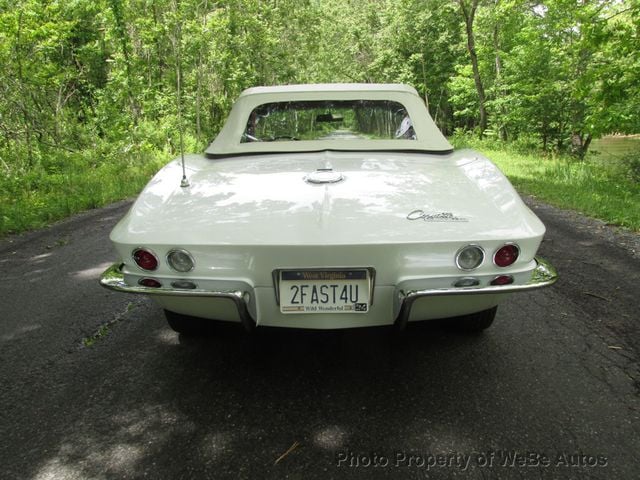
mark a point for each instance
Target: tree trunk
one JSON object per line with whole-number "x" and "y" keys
{"x": 121, "y": 30}
{"x": 580, "y": 143}
{"x": 469, "y": 12}
{"x": 499, "y": 87}
{"x": 424, "y": 82}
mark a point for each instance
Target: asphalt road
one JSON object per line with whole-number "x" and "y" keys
{"x": 551, "y": 391}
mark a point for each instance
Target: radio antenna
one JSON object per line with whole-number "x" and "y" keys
{"x": 178, "y": 40}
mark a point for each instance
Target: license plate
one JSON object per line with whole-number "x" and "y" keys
{"x": 324, "y": 291}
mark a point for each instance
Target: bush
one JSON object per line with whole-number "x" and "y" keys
{"x": 631, "y": 166}
{"x": 526, "y": 144}
{"x": 61, "y": 183}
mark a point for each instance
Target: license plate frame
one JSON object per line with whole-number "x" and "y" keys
{"x": 337, "y": 290}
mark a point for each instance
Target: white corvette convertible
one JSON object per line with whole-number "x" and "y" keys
{"x": 329, "y": 206}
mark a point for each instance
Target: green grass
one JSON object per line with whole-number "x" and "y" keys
{"x": 41, "y": 185}
{"x": 65, "y": 183}
{"x": 100, "y": 333}
{"x": 611, "y": 193}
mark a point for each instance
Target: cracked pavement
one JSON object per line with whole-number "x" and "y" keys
{"x": 556, "y": 380}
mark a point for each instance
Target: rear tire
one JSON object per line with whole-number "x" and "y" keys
{"x": 185, "y": 324}
{"x": 474, "y": 322}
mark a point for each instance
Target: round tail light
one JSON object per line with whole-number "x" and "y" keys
{"x": 145, "y": 259}
{"x": 180, "y": 260}
{"x": 469, "y": 257}
{"x": 506, "y": 255}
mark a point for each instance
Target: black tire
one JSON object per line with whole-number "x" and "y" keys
{"x": 185, "y": 324}
{"x": 474, "y": 322}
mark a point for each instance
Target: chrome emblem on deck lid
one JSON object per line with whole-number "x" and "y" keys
{"x": 324, "y": 175}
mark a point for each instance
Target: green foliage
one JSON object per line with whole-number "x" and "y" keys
{"x": 88, "y": 104}
{"x": 564, "y": 71}
{"x": 64, "y": 183}
{"x": 631, "y": 167}
{"x": 588, "y": 187}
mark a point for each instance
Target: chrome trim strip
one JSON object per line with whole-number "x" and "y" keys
{"x": 542, "y": 275}
{"x": 113, "y": 279}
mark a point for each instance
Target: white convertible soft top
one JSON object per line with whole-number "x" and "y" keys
{"x": 428, "y": 137}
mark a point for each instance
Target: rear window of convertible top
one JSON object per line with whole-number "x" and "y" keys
{"x": 328, "y": 120}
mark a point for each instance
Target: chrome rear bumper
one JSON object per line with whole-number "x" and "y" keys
{"x": 113, "y": 279}
{"x": 542, "y": 275}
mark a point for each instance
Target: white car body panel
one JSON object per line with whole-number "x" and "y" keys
{"x": 402, "y": 214}
{"x": 266, "y": 201}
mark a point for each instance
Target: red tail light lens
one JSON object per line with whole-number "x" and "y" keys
{"x": 145, "y": 259}
{"x": 506, "y": 255}
{"x": 149, "y": 282}
{"x": 502, "y": 280}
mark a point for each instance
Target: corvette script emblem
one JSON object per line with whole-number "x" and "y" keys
{"x": 434, "y": 217}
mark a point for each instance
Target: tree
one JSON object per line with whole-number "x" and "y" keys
{"x": 468, "y": 9}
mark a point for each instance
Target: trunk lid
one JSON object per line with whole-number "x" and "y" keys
{"x": 383, "y": 198}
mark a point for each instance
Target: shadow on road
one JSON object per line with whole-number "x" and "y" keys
{"x": 231, "y": 404}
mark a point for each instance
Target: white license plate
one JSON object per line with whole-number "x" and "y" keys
{"x": 324, "y": 291}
